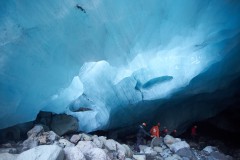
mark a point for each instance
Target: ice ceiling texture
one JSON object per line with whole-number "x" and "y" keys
{"x": 116, "y": 63}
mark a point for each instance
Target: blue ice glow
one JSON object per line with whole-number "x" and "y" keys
{"x": 111, "y": 59}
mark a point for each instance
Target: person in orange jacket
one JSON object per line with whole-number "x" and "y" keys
{"x": 155, "y": 131}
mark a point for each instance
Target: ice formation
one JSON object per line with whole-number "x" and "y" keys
{"x": 123, "y": 61}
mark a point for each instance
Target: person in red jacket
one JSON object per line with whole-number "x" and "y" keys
{"x": 194, "y": 132}
{"x": 165, "y": 131}
{"x": 155, "y": 131}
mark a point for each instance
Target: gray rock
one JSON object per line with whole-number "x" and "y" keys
{"x": 97, "y": 142}
{"x": 7, "y": 156}
{"x": 173, "y": 157}
{"x": 210, "y": 149}
{"x": 142, "y": 147}
{"x": 158, "y": 149}
{"x": 179, "y": 145}
{"x": 62, "y": 124}
{"x": 73, "y": 153}
{"x": 156, "y": 141}
{"x": 186, "y": 152}
{"x": 65, "y": 143}
{"x": 168, "y": 140}
{"x": 111, "y": 145}
{"x": 44, "y": 152}
{"x": 217, "y": 156}
{"x": 96, "y": 154}
{"x": 8, "y": 150}
{"x": 75, "y": 138}
{"x": 128, "y": 150}
{"x": 139, "y": 157}
{"x": 35, "y": 131}
{"x": 29, "y": 143}
{"x": 85, "y": 146}
{"x": 85, "y": 137}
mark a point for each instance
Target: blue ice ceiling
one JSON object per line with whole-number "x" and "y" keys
{"x": 119, "y": 59}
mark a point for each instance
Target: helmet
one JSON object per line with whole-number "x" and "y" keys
{"x": 144, "y": 124}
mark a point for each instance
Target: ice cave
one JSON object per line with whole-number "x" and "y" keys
{"x": 115, "y": 64}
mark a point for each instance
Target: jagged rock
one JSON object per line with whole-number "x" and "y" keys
{"x": 62, "y": 124}
{"x": 75, "y": 138}
{"x": 158, "y": 149}
{"x": 35, "y": 131}
{"x": 111, "y": 145}
{"x": 29, "y": 143}
{"x": 97, "y": 142}
{"x": 178, "y": 145}
{"x": 44, "y": 152}
{"x": 6, "y": 145}
{"x": 73, "y": 153}
{"x": 186, "y": 152}
{"x": 217, "y": 156}
{"x": 85, "y": 146}
{"x": 65, "y": 143}
{"x": 8, "y": 150}
{"x": 156, "y": 141}
{"x": 210, "y": 149}
{"x": 142, "y": 147}
{"x": 96, "y": 154}
{"x": 102, "y": 139}
{"x": 173, "y": 157}
{"x": 168, "y": 140}
{"x": 7, "y": 156}
{"x": 149, "y": 150}
{"x": 85, "y": 137}
{"x": 128, "y": 150}
{"x": 139, "y": 157}
{"x": 121, "y": 154}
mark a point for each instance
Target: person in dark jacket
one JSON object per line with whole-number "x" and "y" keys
{"x": 142, "y": 133}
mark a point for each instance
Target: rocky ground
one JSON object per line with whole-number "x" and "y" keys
{"x": 47, "y": 145}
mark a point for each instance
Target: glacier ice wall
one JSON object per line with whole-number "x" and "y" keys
{"x": 122, "y": 60}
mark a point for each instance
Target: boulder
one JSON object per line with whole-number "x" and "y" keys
{"x": 75, "y": 138}
{"x": 209, "y": 149}
{"x": 111, "y": 145}
{"x": 8, "y": 150}
{"x": 97, "y": 142}
{"x": 62, "y": 124}
{"x": 102, "y": 139}
{"x": 168, "y": 140}
{"x": 142, "y": 147}
{"x": 44, "y": 152}
{"x": 158, "y": 149}
{"x": 178, "y": 145}
{"x": 65, "y": 143}
{"x": 47, "y": 137}
{"x": 85, "y": 146}
{"x": 35, "y": 131}
{"x": 29, "y": 143}
{"x": 173, "y": 157}
{"x": 85, "y": 137}
{"x": 73, "y": 153}
{"x": 186, "y": 152}
{"x": 7, "y": 156}
{"x": 139, "y": 157}
{"x": 156, "y": 141}
{"x": 128, "y": 150}
{"x": 96, "y": 154}
{"x": 217, "y": 156}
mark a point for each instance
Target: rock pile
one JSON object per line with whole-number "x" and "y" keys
{"x": 48, "y": 145}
